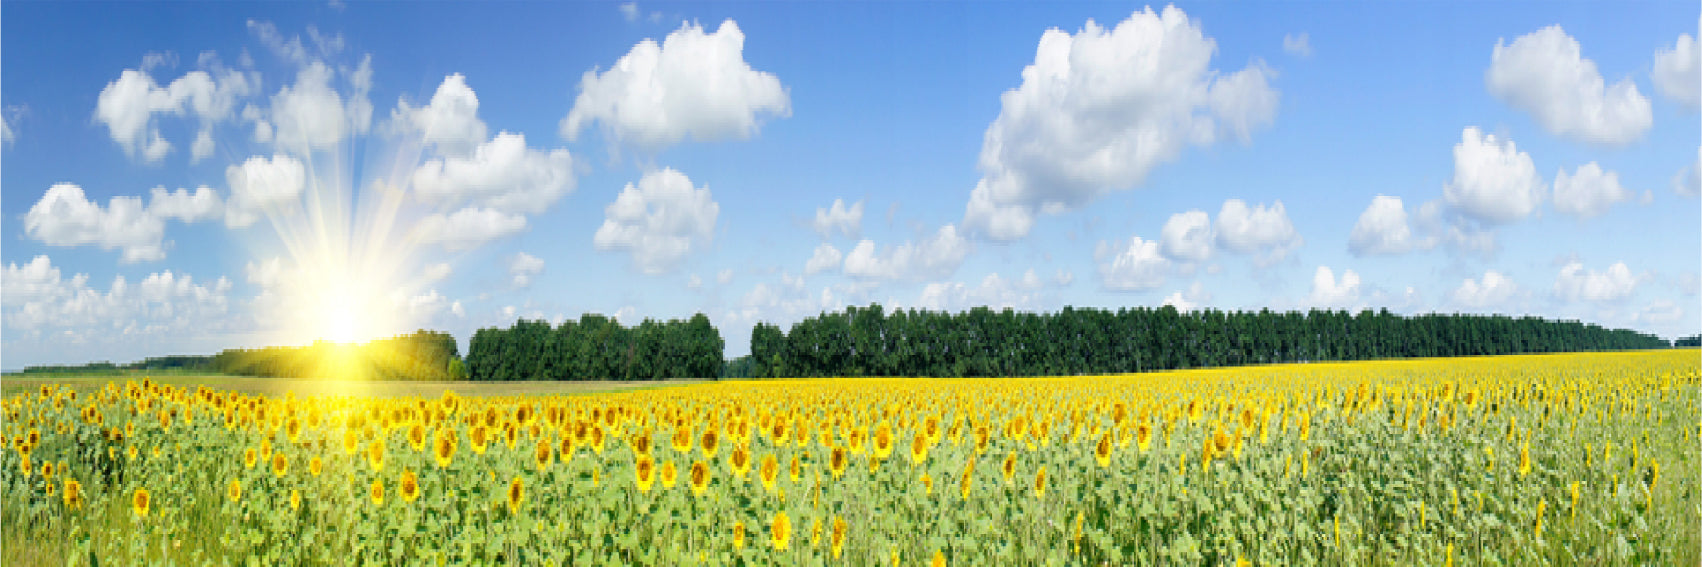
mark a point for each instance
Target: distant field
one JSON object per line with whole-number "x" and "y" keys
{"x": 17, "y": 383}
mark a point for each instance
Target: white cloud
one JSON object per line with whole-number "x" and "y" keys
{"x": 203, "y": 204}
{"x": 1490, "y": 292}
{"x": 825, "y": 257}
{"x": 1574, "y": 283}
{"x": 934, "y": 257}
{"x": 1660, "y": 312}
{"x": 1195, "y": 298}
{"x": 1030, "y": 280}
{"x": 994, "y": 292}
{"x": 1298, "y": 45}
{"x": 1678, "y": 72}
{"x": 694, "y": 282}
{"x": 724, "y": 277}
{"x": 659, "y": 220}
{"x": 838, "y": 217}
{"x": 437, "y": 272}
{"x": 467, "y": 228}
{"x": 64, "y": 217}
{"x": 450, "y": 122}
{"x": 1383, "y": 229}
{"x": 1064, "y": 277}
{"x": 1544, "y": 73}
{"x": 1187, "y": 236}
{"x": 7, "y": 136}
{"x": 39, "y": 303}
{"x": 1132, "y": 266}
{"x": 1263, "y": 231}
{"x": 310, "y": 115}
{"x": 1098, "y": 110}
{"x": 272, "y": 186}
{"x": 692, "y": 84}
{"x": 1688, "y": 181}
{"x": 523, "y": 267}
{"x": 1588, "y": 192}
{"x": 1328, "y": 292}
{"x": 629, "y": 10}
{"x": 1493, "y": 182}
{"x": 127, "y": 107}
{"x": 502, "y": 174}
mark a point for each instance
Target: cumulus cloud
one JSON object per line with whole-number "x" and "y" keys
{"x": 994, "y": 292}
{"x": 1491, "y": 291}
{"x": 1331, "y": 293}
{"x": 450, "y": 122}
{"x": 825, "y": 257}
{"x": 128, "y": 105}
{"x": 1298, "y": 45}
{"x": 659, "y": 220}
{"x": 724, "y": 276}
{"x": 40, "y": 303}
{"x": 1688, "y": 181}
{"x": 1588, "y": 192}
{"x": 692, "y": 84}
{"x": 523, "y": 267}
{"x": 1545, "y": 74}
{"x": 1660, "y": 312}
{"x": 839, "y": 218}
{"x": 501, "y": 174}
{"x": 64, "y": 217}
{"x": 1135, "y": 265}
{"x": 1574, "y": 283}
{"x": 260, "y": 185}
{"x": 1494, "y": 183}
{"x": 1263, "y": 231}
{"x": 1678, "y": 72}
{"x": 203, "y": 204}
{"x": 467, "y": 228}
{"x": 310, "y": 115}
{"x": 1383, "y": 229}
{"x": 935, "y": 257}
{"x": 1194, "y": 298}
{"x": 1098, "y": 110}
{"x": 1187, "y": 237}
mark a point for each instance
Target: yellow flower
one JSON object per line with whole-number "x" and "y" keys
{"x": 1525, "y": 460}
{"x": 939, "y": 559}
{"x": 769, "y": 472}
{"x": 927, "y": 483}
{"x": 280, "y": 465}
{"x": 235, "y": 490}
{"x": 919, "y": 448}
{"x": 699, "y": 477}
{"x": 417, "y": 436}
{"x": 836, "y": 461}
{"x": 669, "y": 474}
{"x": 315, "y": 466}
{"x": 1009, "y": 467}
{"x": 838, "y": 537}
{"x": 544, "y": 455}
{"x": 250, "y": 457}
{"x": 1040, "y": 483}
{"x": 478, "y": 438}
{"x": 1143, "y": 436}
{"x": 516, "y": 495}
{"x": 443, "y": 446}
{"x": 73, "y": 494}
{"x": 1542, "y": 507}
{"x": 644, "y": 473}
{"x": 139, "y": 502}
{"x": 780, "y": 531}
{"x": 375, "y": 454}
{"x": 738, "y": 535}
{"x": 739, "y": 461}
{"x": 883, "y": 441}
{"x": 968, "y": 482}
{"x": 796, "y": 470}
{"x": 1102, "y": 451}
{"x": 1574, "y": 489}
{"x": 708, "y": 442}
{"x": 682, "y": 439}
{"x": 351, "y": 440}
{"x": 410, "y": 486}
{"x": 376, "y": 491}
{"x": 295, "y": 499}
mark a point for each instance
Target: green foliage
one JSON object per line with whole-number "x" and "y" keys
{"x": 980, "y": 342}
{"x": 596, "y": 348}
{"x": 423, "y": 355}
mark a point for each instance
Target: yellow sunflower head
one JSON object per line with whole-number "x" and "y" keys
{"x": 780, "y": 531}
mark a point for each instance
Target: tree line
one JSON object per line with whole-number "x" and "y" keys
{"x": 867, "y": 341}
{"x": 423, "y": 355}
{"x": 596, "y": 348}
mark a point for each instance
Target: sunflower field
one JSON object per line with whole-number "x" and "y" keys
{"x": 1545, "y": 459}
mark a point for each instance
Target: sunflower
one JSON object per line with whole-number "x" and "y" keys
{"x": 73, "y": 494}
{"x": 836, "y": 461}
{"x": 968, "y": 482}
{"x": 738, "y": 535}
{"x": 837, "y": 539}
{"x": 376, "y": 491}
{"x": 130, "y": 452}
{"x": 266, "y": 449}
{"x": 351, "y": 440}
{"x": 919, "y": 448}
{"x": 375, "y": 454}
{"x": 1525, "y": 460}
{"x": 47, "y": 471}
{"x": 1143, "y": 436}
{"x": 640, "y": 443}
{"x": 927, "y": 483}
{"x": 644, "y": 473}
{"x": 596, "y": 437}
{"x": 682, "y": 439}
{"x": 417, "y": 436}
{"x": 699, "y": 478}
{"x": 1040, "y": 483}
{"x": 1542, "y": 507}
{"x": 250, "y": 457}
{"x": 295, "y": 499}
{"x": 516, "y": 495}
{"x": 139, "y": 502}
{"x": 1102, "y": 451}
{"x": 669, "y": 474}
{"x": 708, "y": 442}
{"x": 478, "y": 438}
{"x": 566, "y": 449}
{"x": 882, "y": 441}
{"x": 854, "y": 441}
{"x": 740, "y": 462}
{"x": 292, "y": 429}
{"x": 544, "y": 454}
{"x": 410, "y": 487}
{"x": 815, "y": 532}
{"x": 769, "y": 472}
{"x": 939, "y": 559}
{"x": 25, "y": 465}
{"x": 780, "y": 531}
{"x": 234, "y": 492}
{"x": 443, "y": 446}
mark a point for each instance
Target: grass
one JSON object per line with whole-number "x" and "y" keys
{"x": 85, "y": 383}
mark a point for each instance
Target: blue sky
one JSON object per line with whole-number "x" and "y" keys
{"x": 351, "y": 171}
